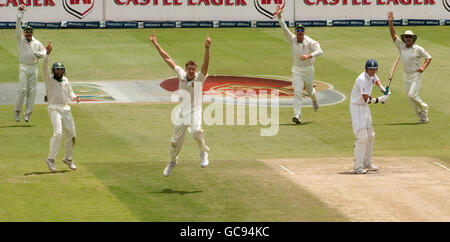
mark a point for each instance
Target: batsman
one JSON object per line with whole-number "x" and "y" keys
{"x": 361, "y": 117}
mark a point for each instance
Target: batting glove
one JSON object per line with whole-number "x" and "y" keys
{"x": 387, "y": 92}
{"x": 383, "y": 99}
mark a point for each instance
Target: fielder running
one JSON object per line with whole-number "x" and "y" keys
{"x": 60, "y": 94}
{"x": 410, "y": 54}
{"x": 30, "y": 50}
{"x": 304, "y": 51}
{"x": 361, "y": 117}
{"x": 189, "y": 117}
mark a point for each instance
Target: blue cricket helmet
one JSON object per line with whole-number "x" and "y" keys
{"x": 371, "y": 64}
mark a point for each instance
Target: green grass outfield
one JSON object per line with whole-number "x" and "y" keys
{"x": 122, "y": 149}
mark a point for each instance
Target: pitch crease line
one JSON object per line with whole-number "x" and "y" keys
{"x": 286, "y": 169}
{"x": 442, "y": 166}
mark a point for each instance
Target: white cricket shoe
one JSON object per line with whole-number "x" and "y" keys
{"x": 26, "y": 117}
{"x": 205, "y": 160}
{"x": 169, "y": 168}
{"x": 70, "y": 164}
{"x": 360, "y": 171}
{"x": 371, "y": 168}
{"x": 315, "y": 105}
{"x": 296, "y": 119}
{"x": 17, "y": 116}
{"x": 424, "y": 117}
{"x": 51, "y": 165}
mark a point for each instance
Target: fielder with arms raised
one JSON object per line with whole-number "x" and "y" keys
{"x": 30, "y": 51}
{"x": 361, "y": 117}
{"x": 60, "y": 94}
{"x": 189, "y": 116}
{"x": 304, "y": 52}
{"x": 410, "y": 54}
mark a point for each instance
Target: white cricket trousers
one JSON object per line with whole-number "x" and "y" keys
{"x": 63, "y": 124}
{"x": 413, "y": 81}
{"x": 303, "y": 77}
{"x": 179, "y": 132}
{"x": 364, "y": 135}
{"x": 28, "y": 76}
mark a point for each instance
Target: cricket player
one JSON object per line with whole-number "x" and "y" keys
{"x": 361, "y": 118}
{"x": 304, "y": 51}
{"x": 189, "y": 116}
{"x": 59, "y": 94}
{"x": 30, "y": 51}
{"x": 410, "y": 54}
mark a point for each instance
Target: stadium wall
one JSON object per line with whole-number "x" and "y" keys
{"x": 221, "y": 13}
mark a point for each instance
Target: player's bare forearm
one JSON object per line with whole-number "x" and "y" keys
{"x": 391, "y": 26}
{"x": 205, "y": 61}
{"x": 206, "y": 58}
{"x": 165, "y": 56}
{"x": 425, "y": 65}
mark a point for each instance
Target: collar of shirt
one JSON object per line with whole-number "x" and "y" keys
{"x": 369, "y": 78}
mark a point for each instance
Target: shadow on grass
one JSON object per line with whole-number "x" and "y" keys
{"x": 293, "y": 124}
{"x": 352, "y": 173}
{"x": 17, "y": 126}
{"x": 45, "y": 172}
{"x": 399, "y": 124}
{"x": 170, "y": 191}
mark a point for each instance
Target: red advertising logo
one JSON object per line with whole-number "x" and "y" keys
{"x": 78, "y": 8}
{"x": 268, "y": 7}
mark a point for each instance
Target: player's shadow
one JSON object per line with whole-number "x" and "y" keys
{"x": 17, "y": 126}
{"x": 170, "y": 191}
{"x": 399, "y": 124}
{"x": 44, "y": 172}
{"x": 294, "y": 124}
{"x": 353, "y": 174}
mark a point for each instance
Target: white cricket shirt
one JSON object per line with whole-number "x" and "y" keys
{"x": 363, "y": 85}
{"x": 60, "y": 93}
{"x": 194, "y": 87}
{"x": 308, "y": 46}
{"x": 29, "y": 52}
{"x": 411, "y": 56}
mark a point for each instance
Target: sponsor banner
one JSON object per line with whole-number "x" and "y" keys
{"x": 447, "y": 22}
{"x": 221, "y": 10}
{"x": 371, "y": 9}
{"x": 7, "y": 25}
{"x": 42, "y": 25}
{"x": 121, "y": 25}
{"x": 269, "y": 24}
{"x": 83, "y": 25}
{"x": 197, "y": 10}
{"x": 200, "y": 24}
{"x": 316, "y": 23}
{"x": 53, "y": 10}
{"x": 350, "y": 22}
{"x": 235, "y": 24}
{"x": 423, "y": 22}
{"x": 384, "y": 22}
{"x": 160, "y": 24}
